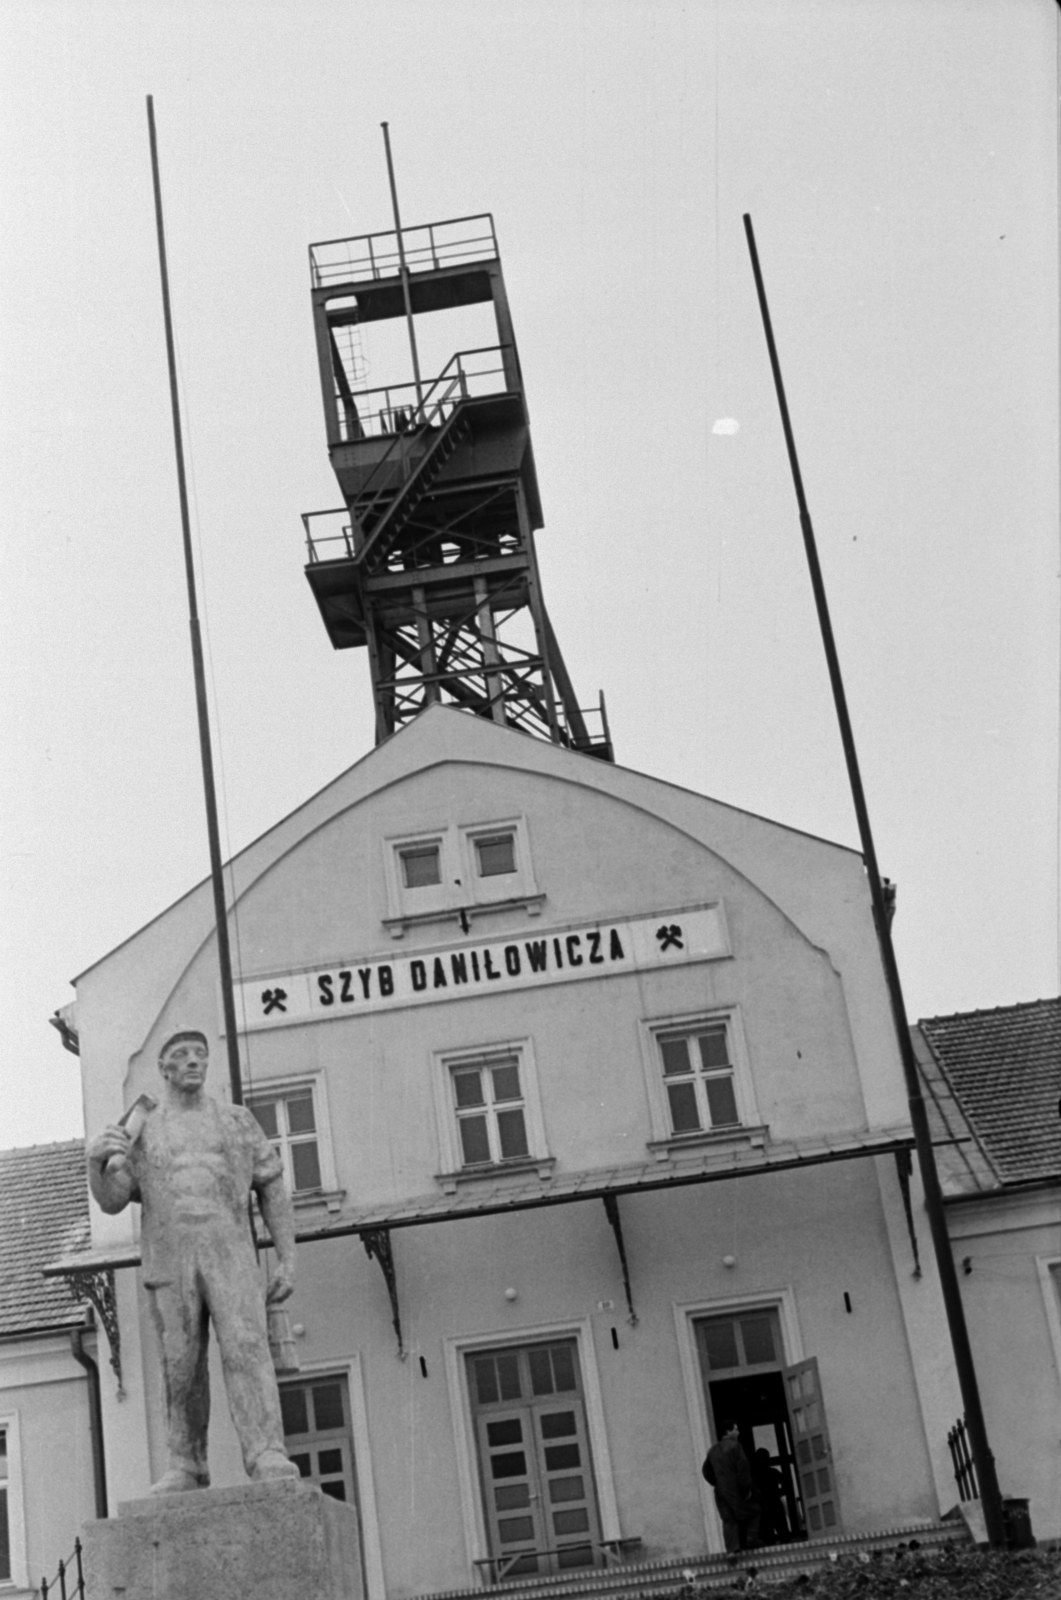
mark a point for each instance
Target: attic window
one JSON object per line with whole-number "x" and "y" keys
{"x": 495, "y": 854}
{"x": 458, "y": 871}
{"x": 421, "y": 866}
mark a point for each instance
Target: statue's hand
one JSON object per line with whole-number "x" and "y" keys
{"x": 281, "y": 1285}
{"x": 112, "y": 1143}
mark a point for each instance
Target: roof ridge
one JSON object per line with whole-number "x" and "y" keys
{"x": 39, "y": 1149}
{"x": 994, "y": 1011}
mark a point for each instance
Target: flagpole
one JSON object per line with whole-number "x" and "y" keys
{"x": 403, "y": 266}
{"x": 948, "y": 1277}
{"x": 224, "y": 955}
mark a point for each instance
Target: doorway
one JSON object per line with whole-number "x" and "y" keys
{"x": 535, "y": 1468}
{"x": 318, "y": 1436}
{"x": 779, "y": 1412}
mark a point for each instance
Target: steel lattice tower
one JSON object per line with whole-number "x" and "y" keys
{"x": 430, "y": 563}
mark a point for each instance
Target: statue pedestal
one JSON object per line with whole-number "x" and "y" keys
{"x": 264, "y": 1541}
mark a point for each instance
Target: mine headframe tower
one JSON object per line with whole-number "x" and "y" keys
{"x": 430, "y": 563}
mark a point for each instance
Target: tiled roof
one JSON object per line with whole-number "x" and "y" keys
{"x": 43, "y": 1213}
{"x": 1004, "y": 1068}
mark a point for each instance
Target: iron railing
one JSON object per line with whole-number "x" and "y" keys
{"x": 428, "y": 248}
{"x": 335, "y": 541}
{"x": 70, "y": 1572}
{"x": 393, "y": 408}
{"x": 962, "y": 1457}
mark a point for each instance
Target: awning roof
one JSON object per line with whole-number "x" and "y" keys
{"x": 484, "y": 1198}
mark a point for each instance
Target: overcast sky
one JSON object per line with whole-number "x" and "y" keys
{"x": 900, "y": 164}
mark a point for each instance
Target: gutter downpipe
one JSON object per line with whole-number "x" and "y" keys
{"x": 95, "y": 1417}
{"x": 983, "y": 1458}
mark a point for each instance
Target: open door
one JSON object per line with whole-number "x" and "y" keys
{"x": 814, "y": 1458}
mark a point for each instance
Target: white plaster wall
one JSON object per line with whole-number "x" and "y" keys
{"x": 594, "y": 857}
{"x": 819, "y": 887}
{"x": 1009, "y": 1320}
{"x": 42, "y": 1384}
{"x": 821, "y": 1232}
{"x": 127, "y": 1419}
{"x": 606, "y": 843}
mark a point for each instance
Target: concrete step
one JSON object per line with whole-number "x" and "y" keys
{"x": 771, "y": 1563}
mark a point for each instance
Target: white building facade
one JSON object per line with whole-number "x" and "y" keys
{"x": 603, "y": 1076}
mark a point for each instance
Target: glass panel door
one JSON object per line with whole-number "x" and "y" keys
{"x": 317, "y": 1434}
{"x": 814, "y": 1458}
{"x": 534, "y": 1458}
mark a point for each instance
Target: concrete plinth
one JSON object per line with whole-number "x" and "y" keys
{"x": 264, "y": 1541}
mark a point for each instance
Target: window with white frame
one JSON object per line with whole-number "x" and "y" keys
{"x": 12, "y": 1510}
{"x": 489, "y": 1107}
{"x": 5, "y": 1524}
{"x": 489, "y": 1111}
{"x": 495, "y": 854}
{"x": 458, "y": 868}
{"x": 697, "y": 1075}
{"x": 697, "y": 1071}
{"x": 290, "y": 1116}
{"x": 421, "y": 864}
{"x": 496, "y": 861}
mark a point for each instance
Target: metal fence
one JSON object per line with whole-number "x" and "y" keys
{"x": 70, "y": 1578}
{"x": 962, "y": 1456}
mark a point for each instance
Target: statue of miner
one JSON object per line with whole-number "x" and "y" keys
{"x": 192, "y": 1167}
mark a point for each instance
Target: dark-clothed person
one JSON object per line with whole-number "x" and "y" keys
{"x": 770, "y": 1486}
{"x": 727, "y": 1471}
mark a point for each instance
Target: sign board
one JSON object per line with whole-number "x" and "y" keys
{"x": 454, "y": 971}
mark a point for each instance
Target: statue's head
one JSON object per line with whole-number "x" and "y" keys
{"x": 184, "y": 1059}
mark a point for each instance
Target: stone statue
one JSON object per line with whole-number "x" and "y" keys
{"x": 192, "y": 1164}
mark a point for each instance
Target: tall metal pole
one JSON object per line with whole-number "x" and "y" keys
{"x": 404, "y": 268}
{"x": 224, "y": 956}
{"x": 948, "y": 1277}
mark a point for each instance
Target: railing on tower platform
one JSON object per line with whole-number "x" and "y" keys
{"x": 428, "y": 248}
{"x": 593, "y": 735}
{"x": 393, "y": 408}
{"x": 392, "y": 412}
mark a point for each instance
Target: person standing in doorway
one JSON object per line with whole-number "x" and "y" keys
{"x": 770, "y": 1485}
{"x": 727, "y": 1471}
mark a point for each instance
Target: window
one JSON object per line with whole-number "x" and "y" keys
{"x": 12, "y": 1510}
{"x": 421, "y": 866}
{"x": 698, "y": 1077}
{"x": 731, "y": 1342}
{"x": 288, "y": 1123}
{"x": 497, "y": 864}
{"x": 453, "y": 872}
{"x": 317, "y": 1434}
{"x": 294, "y": 1118}
{"x": 495, "y": 855}
{"x": 5, "y": 1533}
{"x": 698, "y": 1081}
{"x": 490, "y": 1112}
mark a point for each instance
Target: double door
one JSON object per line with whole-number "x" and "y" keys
{"x": 535, "y": 1468}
